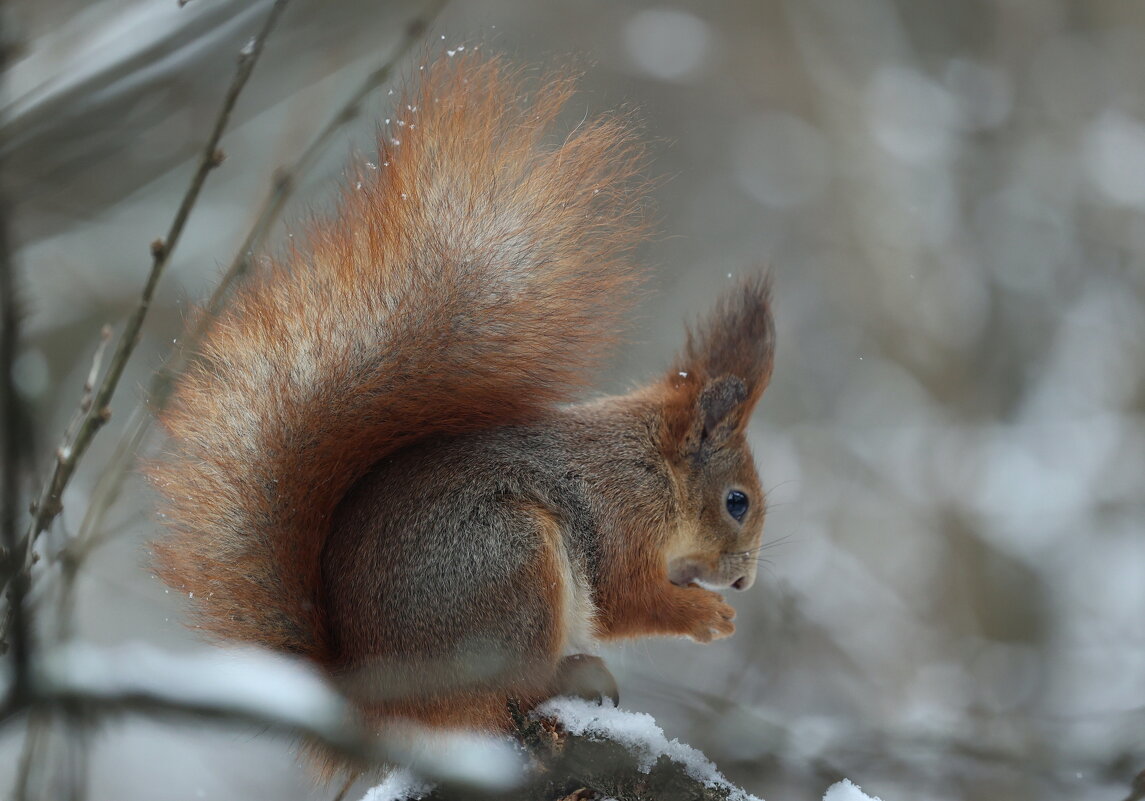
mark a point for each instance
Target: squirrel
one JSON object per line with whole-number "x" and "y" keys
{"x": 379, "y": 458}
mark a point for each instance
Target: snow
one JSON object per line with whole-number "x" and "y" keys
{"x": 266, "y": 687}
{"x": 481, "y": 762}
{"x": 846, "y": 791}
{"x": 460, "y": 757}
{"x": 635, "y": 731}
{"x": 400, "y": 785}
{"x": 638, "y": 733}
{"x": 242, "y": 680}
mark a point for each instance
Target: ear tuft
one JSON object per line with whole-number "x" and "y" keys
{"x": 725, "y": 366}
{"x": 737, "y": 338}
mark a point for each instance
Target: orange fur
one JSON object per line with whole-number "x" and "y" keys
{"x": 476, "y": 277}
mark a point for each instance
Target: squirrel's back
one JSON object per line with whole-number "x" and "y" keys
{"x": 472, "y": 276}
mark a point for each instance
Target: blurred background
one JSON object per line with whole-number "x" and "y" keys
{"x": 952, "y": 198}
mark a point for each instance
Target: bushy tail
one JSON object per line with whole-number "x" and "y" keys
{"x": 473, "y": 276}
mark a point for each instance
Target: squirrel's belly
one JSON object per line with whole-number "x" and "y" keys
{"x": 580, "y": 624}
{"x": 578, "y": 618}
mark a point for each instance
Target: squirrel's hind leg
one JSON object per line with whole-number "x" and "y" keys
{"x": 586, "y": 676}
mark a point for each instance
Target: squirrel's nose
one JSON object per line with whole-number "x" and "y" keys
{"x": 742, "y": 583}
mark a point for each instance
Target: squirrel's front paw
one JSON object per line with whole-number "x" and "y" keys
{"x": 712, "y": 616}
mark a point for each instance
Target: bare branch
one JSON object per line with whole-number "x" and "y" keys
{"x": 92, "y": 532}
{"x": 110, "y": 481}
{"x": 88, "y": 395}
{"x": 49, "y": 503}
{"x": 14, "y": 572}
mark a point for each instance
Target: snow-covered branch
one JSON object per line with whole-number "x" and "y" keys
{"x": 584, "y": 751}
{"x": 249, "y": 687}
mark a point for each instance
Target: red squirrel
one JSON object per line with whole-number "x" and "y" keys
{"x": 379, "y": 460}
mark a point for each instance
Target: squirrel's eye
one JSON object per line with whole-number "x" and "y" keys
{"x": 737, "y": 504}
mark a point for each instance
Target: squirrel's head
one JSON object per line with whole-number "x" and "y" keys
{"x": 712, "y": 388}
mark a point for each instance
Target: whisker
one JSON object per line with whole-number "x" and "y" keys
{"x": 780, "y": 485}
{"x": 786, "y": 538}
{"x": 768, "y": 567}
{"x": 769, "y": 544}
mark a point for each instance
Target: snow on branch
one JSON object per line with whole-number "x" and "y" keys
{"x": 639, "y": 757}
{"x": 584, "y": 751}
{"x": 252, "y": 687}
{"x": 846, "y": 791}
{"x": 244, "y": 684}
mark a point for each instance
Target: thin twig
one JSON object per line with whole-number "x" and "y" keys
{"x": 287, "y": 179}
{"x": 92, "y": 532}
{"x": 36, "y": 732}
{"x": 19, "y": 561}
{"x": 72, "y": 449}
{"x": 88, "y": 394}
{"x": 79, "y": 757}
{"x": 161, "y": 249}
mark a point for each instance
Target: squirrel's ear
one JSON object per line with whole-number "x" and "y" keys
{"x": 724, "y": 367}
